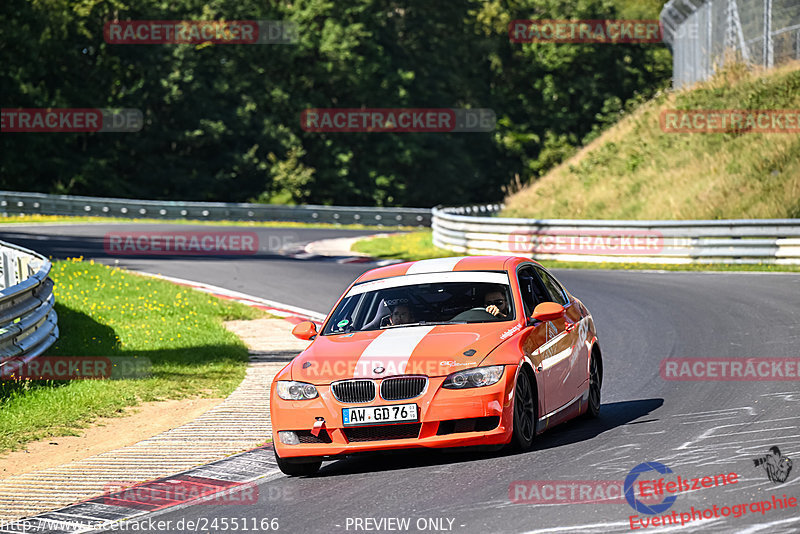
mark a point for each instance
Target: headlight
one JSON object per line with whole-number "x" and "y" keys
{"x": 474, "y": 378}
{"x": 290, "y": 390}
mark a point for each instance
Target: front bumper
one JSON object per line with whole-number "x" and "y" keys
{"x": 447, "y": 418}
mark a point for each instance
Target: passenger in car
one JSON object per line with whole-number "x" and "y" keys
{"x": 402, "y": 314}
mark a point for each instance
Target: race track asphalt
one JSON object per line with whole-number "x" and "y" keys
{"x": 696, "y": 428}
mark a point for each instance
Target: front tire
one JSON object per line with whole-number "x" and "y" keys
{"x": 294, "y": 469}
{"x": 524, "y": 413}
{"x": 595, "y": 384}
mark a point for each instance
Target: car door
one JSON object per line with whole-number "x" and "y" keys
{"x": 544, "y": 343}
{"x": 571, "y": 349}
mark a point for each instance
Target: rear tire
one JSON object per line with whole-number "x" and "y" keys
{"x": 524, "y": 413}
{"x": 595, "y": 384}
{"x": 296, "y": 469}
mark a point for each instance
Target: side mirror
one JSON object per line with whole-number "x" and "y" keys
{"x": 547, "y": 311}
{"x": 305, "y": 330}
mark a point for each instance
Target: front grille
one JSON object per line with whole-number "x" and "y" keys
{"x": 382, "y": 432}
{"x": 305, "y": 436}
{"x": 354, "y": 390}
{"x": 401, "y": 388}
{"x": 473, "y": 424}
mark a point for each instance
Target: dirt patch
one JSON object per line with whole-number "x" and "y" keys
{"x": 262, "y": 336}
{"x": 106, "y": 434}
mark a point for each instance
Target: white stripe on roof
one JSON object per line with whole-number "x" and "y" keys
{"x": 429, "y": 278}
{"x": 436, "y": 265}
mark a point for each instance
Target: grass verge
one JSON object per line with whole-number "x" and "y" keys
{"x": 107, "y": 312}
{"x": 411, "y": 246}
{"x": 636, "y": 170}
{"x": 419, "y": 246}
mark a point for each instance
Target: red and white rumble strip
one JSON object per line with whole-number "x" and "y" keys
{"x": 290, "y": 313}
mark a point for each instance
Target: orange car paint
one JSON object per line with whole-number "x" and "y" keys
{"x": 556, "y": 351}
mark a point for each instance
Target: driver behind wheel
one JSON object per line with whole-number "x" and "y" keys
{"x": 496, "y": 303}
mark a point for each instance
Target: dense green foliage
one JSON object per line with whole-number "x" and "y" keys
{"x": 222, "y": 121}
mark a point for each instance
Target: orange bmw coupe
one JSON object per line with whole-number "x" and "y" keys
{"x": 449, "y": 352}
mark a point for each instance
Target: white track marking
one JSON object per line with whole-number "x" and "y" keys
{"x": 241, "y": 297}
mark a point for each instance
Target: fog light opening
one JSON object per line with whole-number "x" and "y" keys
{"x": 288, "y": 437}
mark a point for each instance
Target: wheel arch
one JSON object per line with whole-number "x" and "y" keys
{"x": 526, "y": 367}
{"x": 596, "y": 353}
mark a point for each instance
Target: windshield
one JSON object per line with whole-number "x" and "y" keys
{"x": 424, "y": 299}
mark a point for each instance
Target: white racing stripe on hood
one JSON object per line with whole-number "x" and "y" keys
{"x": 435, "y": 265}
{"x": 391, "y": 350}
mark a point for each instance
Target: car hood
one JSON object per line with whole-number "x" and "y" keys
{"x": 427, "y": 350}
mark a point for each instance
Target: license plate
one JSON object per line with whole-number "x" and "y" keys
{"x": 372, "y": 415}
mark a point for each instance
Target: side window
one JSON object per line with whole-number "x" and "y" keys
{"x": 531, "y": 288}
{"x": 553, "y": 288}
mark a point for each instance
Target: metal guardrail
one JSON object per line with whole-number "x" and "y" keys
{"x": 703, "y": 34}
{"x": 18, "y": 203}
{"x": 28, "y": 322}
{"x": 474, "y": 231}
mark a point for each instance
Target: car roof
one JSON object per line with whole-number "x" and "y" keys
{"x": 444, "y": 265}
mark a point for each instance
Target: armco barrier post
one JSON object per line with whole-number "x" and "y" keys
{"x": 20, "y": 203}
{"x": 28, "y": 322}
